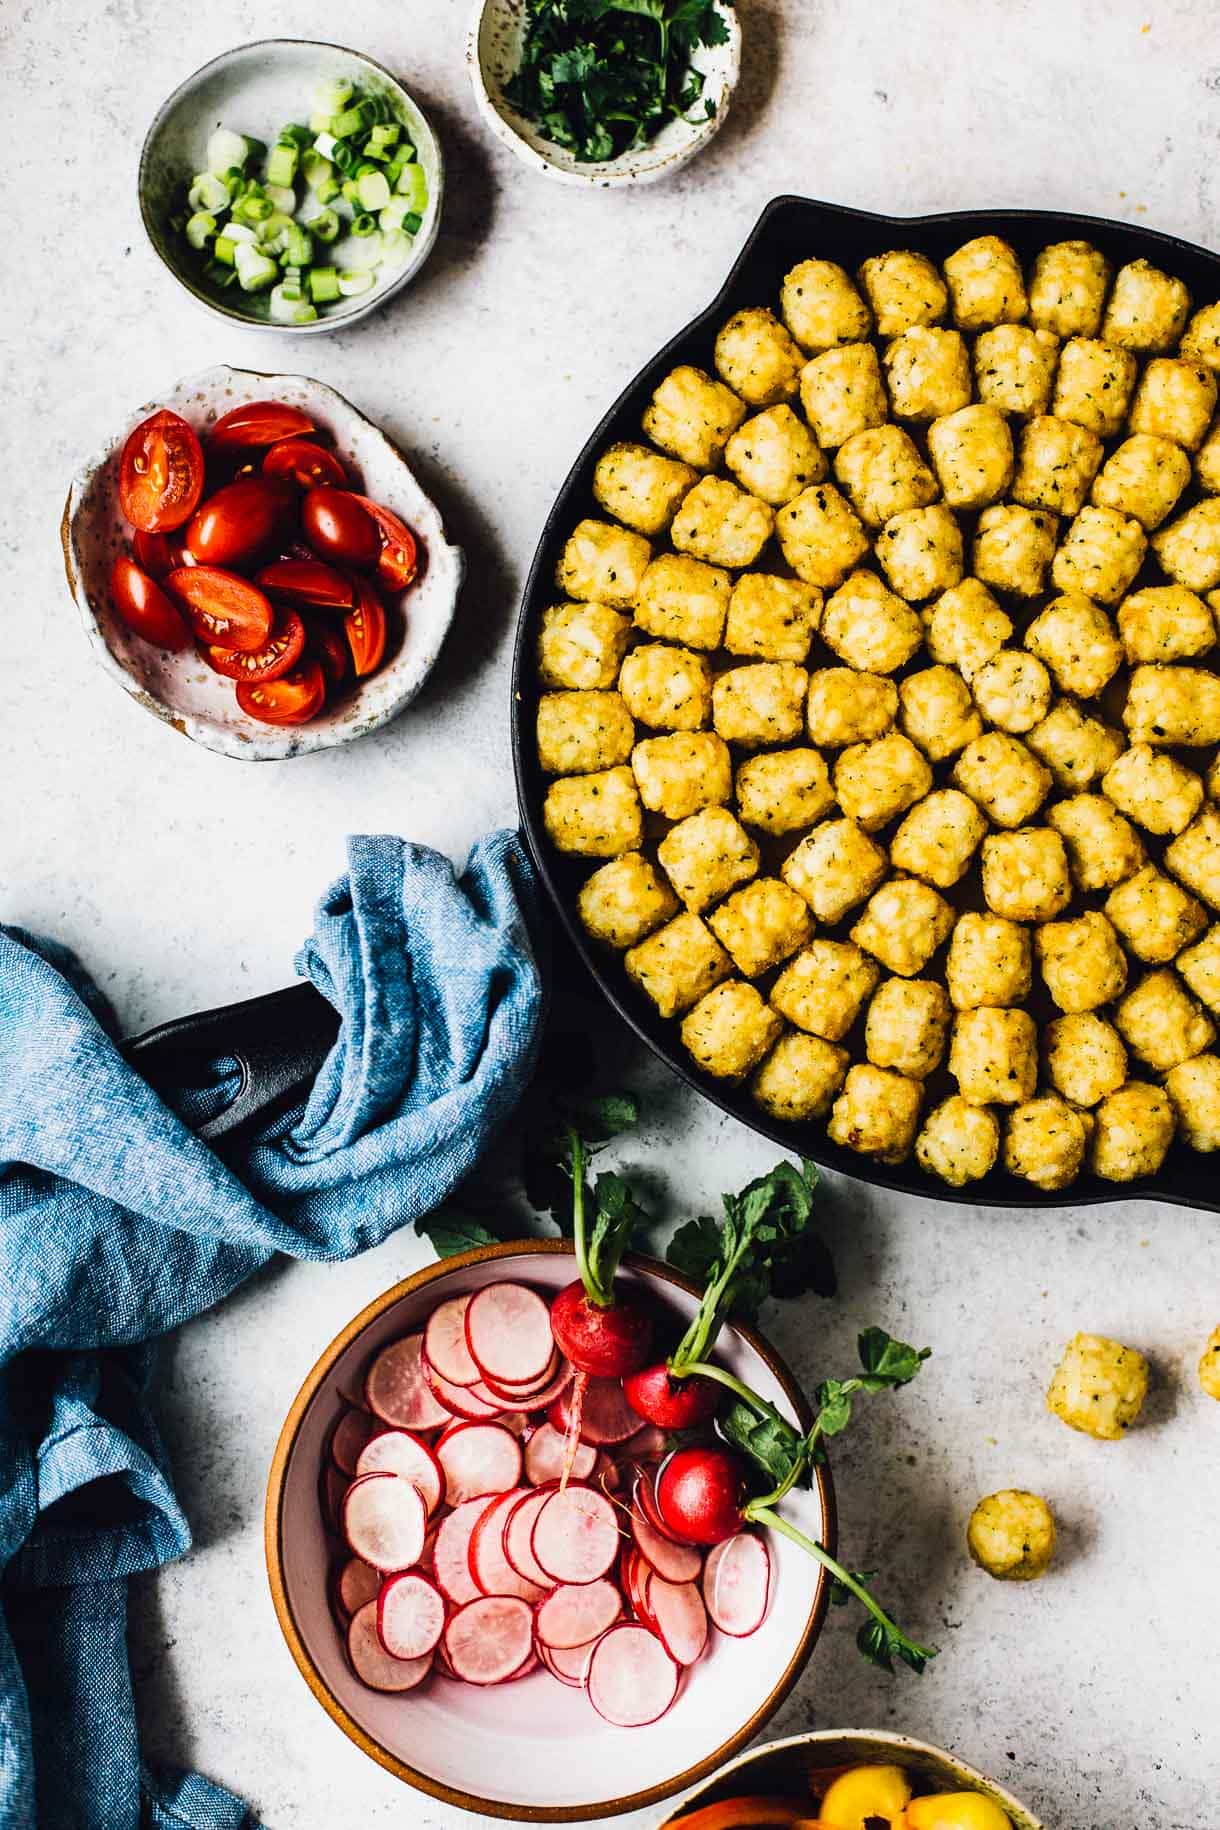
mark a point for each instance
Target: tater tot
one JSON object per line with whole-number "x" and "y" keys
{"x": 1147, "y": 309}
{"x": 821, "y": 536}
{"x": 825, "y": 987}
{"x": 1094, "y": 384}
{"x": 903, "y": 289}
{"x": 1155, "y": 790}
{"x": 1068, "y": 289}
{"x": 678, "y": 964}
{"x": 874, "y": 782}
{"x": 1207, "y": 463}
{"x": 1172, "y": 705}
{"x": 1100, "y": 554}
{"x": 1076, "y": 748}
{"x": 927, "y": 372}
{"x": 1165, "y": 623}
{"x": 1174, "y": 400}
{"x": 721, "y": 524}
{"x": 1014, "y": 368}
{"x": 669, "y": 689}
{"x": 1134, "y": 1130}
{"x": 1013, "y": 547}
{"x": 693, "y": 417}
{"x": 842, "y": 393}
{"x": 1209, "y": 1361}
{"x": 774, "y": 619}
{"x": 1012, "y": 690}
{"x": 800, "y": 1077}
{"x": 681, "y": 772}
{"x": 835, "y": 867}
{"x": 1081, "y": 962}
{"x": 1056, "y": 465}
{"x": 625, "y": 900}
{"x": 877, "y": 1113}
{"x": 683, "y": 600}
{"x": 1143, "y": 478}
{"x": 920, "y": 551}
{"x": 882, "y": 473}
{"x": 989, "y": 962}
{"x": 1085, "y": 1057}
{"x": 1194, "y": 1090}
{"x": 994, "y": 1056}
{"x": 1194, "y": 856}
{"x": 1025, "y": 874}
{"x": 937, "y": 712}
{"x": 1200, "y": 967}
{"x": 1076, "y": 640}
{"x": 959, "y": 1142}
{"x": 1155, "y": 916}
{"x": 784, "y": 790}
{"x": 848, "y": 707}
{"x": 602, "y": 563}
{"x": 972, "y": 454}
{"x": 1161, "y": 1023}
{"x": 1099, "y": 1386}
{"x": 730, "y": 1029}
{"x": 1189, "y": 548}
{"x": 760, "y": 703}
{"x": 1045, "y": 1142}
{"x": 640, "y": 487}
{"x": 774, "y": 456}
{"x": 581, "y": 646}
{"x": 579, "y": 733}
{"x": 1201, "y": 338}
{"x": 939, "y": 837}
{"x": 1103, "y": 848}
{"x": 706, "y": 856}
{"x": 756, "y": 357}
{"x": 986, "y": 285}
{"x": 966, "y": 626}
{"x": 902, "y": 925}
{"x": 1011, "y": 1535}
{"x": 870, "y": 628}
{"x": 594, "y": 816}
{"x": 1004, "y": 777}
{"x": 821, "y": 306}
{"x": 907, "y": 1026}
{"x": 761, "y": 925}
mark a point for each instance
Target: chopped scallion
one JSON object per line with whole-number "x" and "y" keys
{"x": 282, "y": 164}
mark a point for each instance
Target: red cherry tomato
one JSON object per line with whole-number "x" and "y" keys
{"x": 279, "y": 653}
{"x": 294, "y": 698}
{"x": 223, "y": 609}
{"x": 240, "y": 521}
{"x": 159, "y": 554}
{"x": 339, "y": 529}
{"x": 160, "y": 474}
{"x": 305, "y": 463}
{"x": 365, "y": 629}
{"x": 144, "y": 607}
{"x": 259, "y": 422}
{"x": 328, "y": 646}
{"x": 307, "y": 581}
{"x": 397, "y": 563}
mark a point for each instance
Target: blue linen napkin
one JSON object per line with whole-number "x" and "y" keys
{"x": 117, "y": 1224}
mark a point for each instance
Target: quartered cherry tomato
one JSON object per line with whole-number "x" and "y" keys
{"x": 240, "y": 522}
{"x": 338, "y": 528}
{"x": 159, "y": 554}
{"x": 307, "y": 581}
{"x": 259, "y": 422}
{"x": 397, "y": 562}
{"x": 144, "y": 606}
{"x": 305, "y": 463}
{"x": 364, "y": 627}
{"x": 281, "y": 651}
{"x": 327, "y": 644}
{"x": 294, "y": 698}
{"x": 222, "y": 608}
{"x": 160, "y": 473}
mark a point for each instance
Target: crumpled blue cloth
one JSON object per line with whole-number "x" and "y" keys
{"x": 117, "y": 1224}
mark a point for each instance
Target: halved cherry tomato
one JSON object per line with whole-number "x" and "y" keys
{"x": 159, "y": 554}
{"x": 294, "y": 698}
{"x": 365, "y": 629}
{"x": 339, "y": 528}
{"x": 306, "y": 463}
{"x": 328, "y": 646}
{"x": 160, "y": 473}
{"x": 397, "y": 562}
{"x": 223, "y": 609}
{"x": 307, "y": 581}
{"x": 281, "y": 651}
{"x": 144, "y": 607}
{"x": 240, "y": 522}
{"x": 259, "y": 422}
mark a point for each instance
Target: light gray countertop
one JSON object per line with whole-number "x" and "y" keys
{"x": 184, "y": 879}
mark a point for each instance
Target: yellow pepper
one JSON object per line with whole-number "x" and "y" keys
{"x": 879, "y": 1792}
{"x": 956, "y": 1811}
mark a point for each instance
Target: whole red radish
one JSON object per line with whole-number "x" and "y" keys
{"x": 671, "y": 1404}
{"x": 701, "y": 1494}
{"x": 607, "y": 1341}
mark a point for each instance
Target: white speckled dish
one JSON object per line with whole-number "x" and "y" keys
{"x": 181, "y": 688}
{"x": 255, "y": 89}
{"x": 493, "y": 51}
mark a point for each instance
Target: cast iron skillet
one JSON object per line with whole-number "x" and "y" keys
{"x": 791, "y": 229}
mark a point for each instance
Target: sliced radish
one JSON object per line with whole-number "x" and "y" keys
{"x": 398, "y": 1452}
{"x": 478, "y": 1458}
{"x": 632, "y": 1679}
{"x": 518, "y": 1537}
{"x": 535, "y": 1401}
{"x": 644, "y": 1495}
{"x": 349, "y": 1437}
{"x": 451, "y": 1553}
{"x": 574, "y": 1615}
{"x": 544, "y": 1457}
{"x": 410, "y": 1615}
{"x": 490, "y": 1639}
{"x": 427, "y": 1554}
{"x": 508, "y": 1332}
{"x": 649, "y": 1444}
{"x": 396, "y": 1390}
{"x": 385, "y": 1521}
{"x": 525, "y": 1388}
{"x": 576, "y": 1535}
{"x": 737, "y": 1584}
{"x": 472, "y": 1403}
{"x": 681, "y": 1618}
{"x": 531, "y": 1664}
{"x": 445, "y": 1346}
{"x": 637, "y": 1574}
{"x": 358, "y": 1583}
{"x": 675, "y": 1562}
{"x": 489, "y": 1565}
{"x": 371, "y": 1662}
{"x": 569, "y": 1667}
{"x": 606, "y": 1415}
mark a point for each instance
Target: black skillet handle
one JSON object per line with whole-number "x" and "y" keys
{"x": 279, "y": 1042}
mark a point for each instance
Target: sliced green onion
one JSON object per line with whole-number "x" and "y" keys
{"x": 364, "y": 224}
{"x": 208, "y": 192}
{"x": 399, "y": 159}
{"x": 351, "y": 284}
{"x": 373, "y": 191}
{"x": 297, "y": 247}
{"x": 290, "y": 311}
{"x": 255, "y": 271}
{"x": 356, "y": 253}
{"x": 324, "y": 226}
{"x": 395, "y": 248}
{"x": 391, "y": 217}
{"x": 325, "y": 143}
{"x": 294, "y": 135}
{"x": 345, "y": 157}
{"x": 314, "y": 168}
{"x": 323, "y": 285}
{"x": 282, "y": 163}
{"x": 283, "y": 196}
{"x": 385, "y": 133}
{"x": 413, "y": 223}
{"x": 350, "y": 193}
{"x": 235, "y": 182}
{"x": 373, "y": 151}
{"x": 254, "y": 206}
{"x": 329, "y": 97}
{"x": 223, "y": 249}
{"x": 328, "y": 190}
{"x": 357, "y": 119}
{"x": 413, "y": 185}
{"x": 200, "y": 229}
{"x": 241, "y": 232}
{"x": 226, "y": 150}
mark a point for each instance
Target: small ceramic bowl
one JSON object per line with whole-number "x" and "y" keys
{"x": 181, "y": 688}
{"x": 493, "y": 52}
{"x": 255, "y": 89}
{"x": 533, "y": 1749}
{"x": 802, "y": 1766}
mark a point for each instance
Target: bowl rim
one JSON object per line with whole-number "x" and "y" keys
{"x": 890, "y": 1737}
{"x": 273, "y": 1528}
{"x": 607, "y": 174}
{"x": 423, "y": 244}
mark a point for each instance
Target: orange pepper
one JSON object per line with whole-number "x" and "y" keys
{"x": 748, "y": 1813}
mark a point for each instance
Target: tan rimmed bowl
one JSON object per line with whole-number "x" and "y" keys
{"x": 532, "y": 1749}
{"x": 803, "y": 1766}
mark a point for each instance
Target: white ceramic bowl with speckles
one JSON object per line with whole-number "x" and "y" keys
{"x": 181, "y": 688}
{"x": 254, "y": 89}
{"x": 493, "y": 52}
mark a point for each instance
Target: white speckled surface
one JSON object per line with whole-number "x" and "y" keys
{"x": 184, "y": 880}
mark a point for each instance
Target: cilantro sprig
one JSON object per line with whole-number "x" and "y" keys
{"x": 600, "y": 77}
